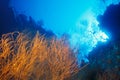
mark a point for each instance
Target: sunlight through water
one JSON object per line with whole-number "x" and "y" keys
{"x": 86, "y": 35}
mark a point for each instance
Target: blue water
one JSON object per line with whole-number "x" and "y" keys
{"x": 78, "y": 18}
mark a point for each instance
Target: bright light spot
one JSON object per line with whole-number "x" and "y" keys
{"x": 101, "y": 36}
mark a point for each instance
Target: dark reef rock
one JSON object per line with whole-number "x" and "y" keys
{"x": 110, "y": 21}
{"x": 9, "y": 22}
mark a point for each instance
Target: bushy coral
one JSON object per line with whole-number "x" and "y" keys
{"x": 23, "y": 58}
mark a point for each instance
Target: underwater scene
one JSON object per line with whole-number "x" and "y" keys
{"x": 59, "y": 39}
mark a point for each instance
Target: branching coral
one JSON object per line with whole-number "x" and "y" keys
{"x": 22, "y": 58}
